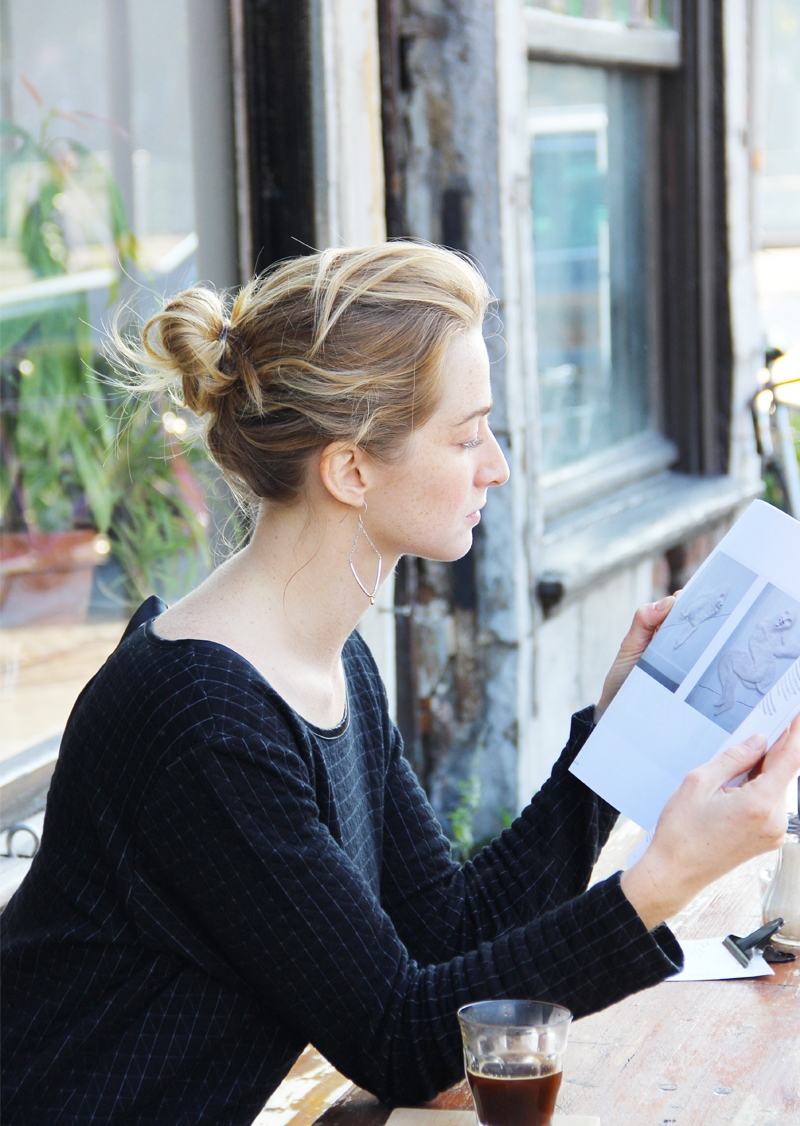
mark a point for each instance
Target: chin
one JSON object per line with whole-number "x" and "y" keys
{"x": 457, "y": 548}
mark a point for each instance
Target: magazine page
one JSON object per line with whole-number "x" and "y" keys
{"x": 724, "y": 665}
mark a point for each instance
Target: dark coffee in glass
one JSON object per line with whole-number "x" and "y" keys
{"x": 514, "y": 1056}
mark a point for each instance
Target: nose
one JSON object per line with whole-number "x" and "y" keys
{"x": 494, "y": 470}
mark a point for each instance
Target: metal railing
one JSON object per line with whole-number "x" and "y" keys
{"x": 775, "y": 437}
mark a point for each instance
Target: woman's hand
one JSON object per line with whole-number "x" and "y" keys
{"x": 646, "y": 622}
{"x": 706, "y": 829}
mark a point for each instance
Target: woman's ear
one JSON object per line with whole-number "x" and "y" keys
{"x": 342, "y": 473}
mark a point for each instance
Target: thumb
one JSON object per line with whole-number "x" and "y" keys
{"x": 738, "y": 760}
{"x": 647, "y": 620}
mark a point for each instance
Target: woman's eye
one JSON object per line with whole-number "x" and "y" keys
{"x": 473, "y": 445}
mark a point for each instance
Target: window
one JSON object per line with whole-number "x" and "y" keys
{"x": 626, "y": 144}
{"x": 621, "y": 32}
{"x": 117, "y": 183}
{"x": 777, "y": 124}
{"x": 592, "y": 145}
{"x": 633, "y": 13}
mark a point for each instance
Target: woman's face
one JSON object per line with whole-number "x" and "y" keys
{"x": 428, "y": 503}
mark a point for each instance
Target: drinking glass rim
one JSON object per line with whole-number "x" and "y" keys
{"x": 464, "y": 1015}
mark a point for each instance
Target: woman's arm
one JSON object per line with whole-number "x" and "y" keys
{"x": 236, "y": 874}
{"x": 708, "y": 829}
{"x": 542, "y": 860}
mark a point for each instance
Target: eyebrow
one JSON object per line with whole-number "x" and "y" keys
{"x": 481, "y": 413}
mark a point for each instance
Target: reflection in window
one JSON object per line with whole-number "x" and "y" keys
{"x": 98, "y": 204}
{"x": 634, "y": 13}
{"x": 777, "y": 155}
{"x": 590, "y": 131}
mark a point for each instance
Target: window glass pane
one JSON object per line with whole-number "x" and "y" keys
{"x": 99, "y": 205}
{"x": 590, "y": 147}
{"x": 777, "y": 155}
{"x": 634, "y": 13}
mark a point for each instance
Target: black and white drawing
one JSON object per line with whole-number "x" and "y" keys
{"x": 757, "y": 654}
{"x": 695, "y": 620}
{"x": 697, "y": 611}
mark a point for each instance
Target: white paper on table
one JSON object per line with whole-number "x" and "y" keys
{"x": 706, "y": 959}
{"x": 424, "y": 1117}
{"x": 689, "y": 697}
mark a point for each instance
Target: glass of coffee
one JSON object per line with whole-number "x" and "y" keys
{"x": 514, "y": 1057}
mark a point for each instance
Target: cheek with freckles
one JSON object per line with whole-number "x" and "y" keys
{"x": 424, "y": 509}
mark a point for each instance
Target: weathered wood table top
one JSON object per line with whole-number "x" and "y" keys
{"x": 707, "y": 1053}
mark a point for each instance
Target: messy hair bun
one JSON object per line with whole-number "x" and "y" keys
{"x": 189, "y": 336}
{"x": 343, "y": 345}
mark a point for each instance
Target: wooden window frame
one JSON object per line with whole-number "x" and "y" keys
{"x": 551, "y": 35}
{"x": 273, "y": 103}
{"x": 693, "y": 393}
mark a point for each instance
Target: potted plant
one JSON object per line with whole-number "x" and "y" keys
{"x": 71, "y": 492}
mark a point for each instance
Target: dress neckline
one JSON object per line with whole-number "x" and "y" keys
{"x": 329, "y": 733}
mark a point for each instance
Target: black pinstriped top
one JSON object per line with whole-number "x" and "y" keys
{"x": 219, "y": 883}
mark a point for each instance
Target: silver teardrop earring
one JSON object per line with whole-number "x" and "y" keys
{"x": 361, "y": 530}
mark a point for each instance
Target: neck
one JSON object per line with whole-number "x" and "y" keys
{"x": 295, "y": 577}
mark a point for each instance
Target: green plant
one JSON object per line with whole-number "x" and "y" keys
{"x": 63, "y": 465}
{"x": 462, "y": 818}
{"x": 157, "y": 527}
{"x": 56, "y": 424}
{"x": 56, "y": 428}
{"x": 86, "y": 457}
{"x": 56, "y": 191}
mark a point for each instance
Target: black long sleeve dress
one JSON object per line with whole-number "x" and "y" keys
{"x": 220, "y": 883}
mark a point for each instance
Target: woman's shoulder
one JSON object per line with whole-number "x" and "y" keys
{"x": 156, "y": 684}
{"x": 161, "y": 690}
{"x": 156, "y": 705}
{"x": 188, "y": 674}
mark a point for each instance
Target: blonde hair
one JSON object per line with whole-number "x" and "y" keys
{"x": 343, "y": 345}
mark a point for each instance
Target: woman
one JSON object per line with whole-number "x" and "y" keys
{"x": 238, "y": 859}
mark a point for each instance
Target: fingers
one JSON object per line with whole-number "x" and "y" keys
{"x": 771, "y": 772}
{"x": 647, "y": 620}
{"x": 738, "y": 760}
{"x": 754, "y": 773}
{"x": 783, "y": 761}
{"x": 656, "y": 612}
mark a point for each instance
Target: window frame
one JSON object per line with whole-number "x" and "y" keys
{"x": 581, "y": 39}
{"x": 650, "y": 451}
{"x": 643, "y": 496}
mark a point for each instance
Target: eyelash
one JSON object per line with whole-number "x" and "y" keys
{"x": 473, "y": 445}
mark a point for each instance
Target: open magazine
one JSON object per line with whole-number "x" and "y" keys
{"x": 724, "y": 665}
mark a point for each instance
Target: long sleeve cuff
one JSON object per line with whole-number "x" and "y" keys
{"x": 581, "y": 727}
{"x": 601, "y": 950}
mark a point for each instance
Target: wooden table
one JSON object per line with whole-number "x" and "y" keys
{"x": 710, "y": 1053}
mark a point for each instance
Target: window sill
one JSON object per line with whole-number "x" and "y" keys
{"x": 25, "y": 780}
{"x": 551, "y": 35}
{"x": 582, "y": 547}
{"x": 580, "y": 484}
